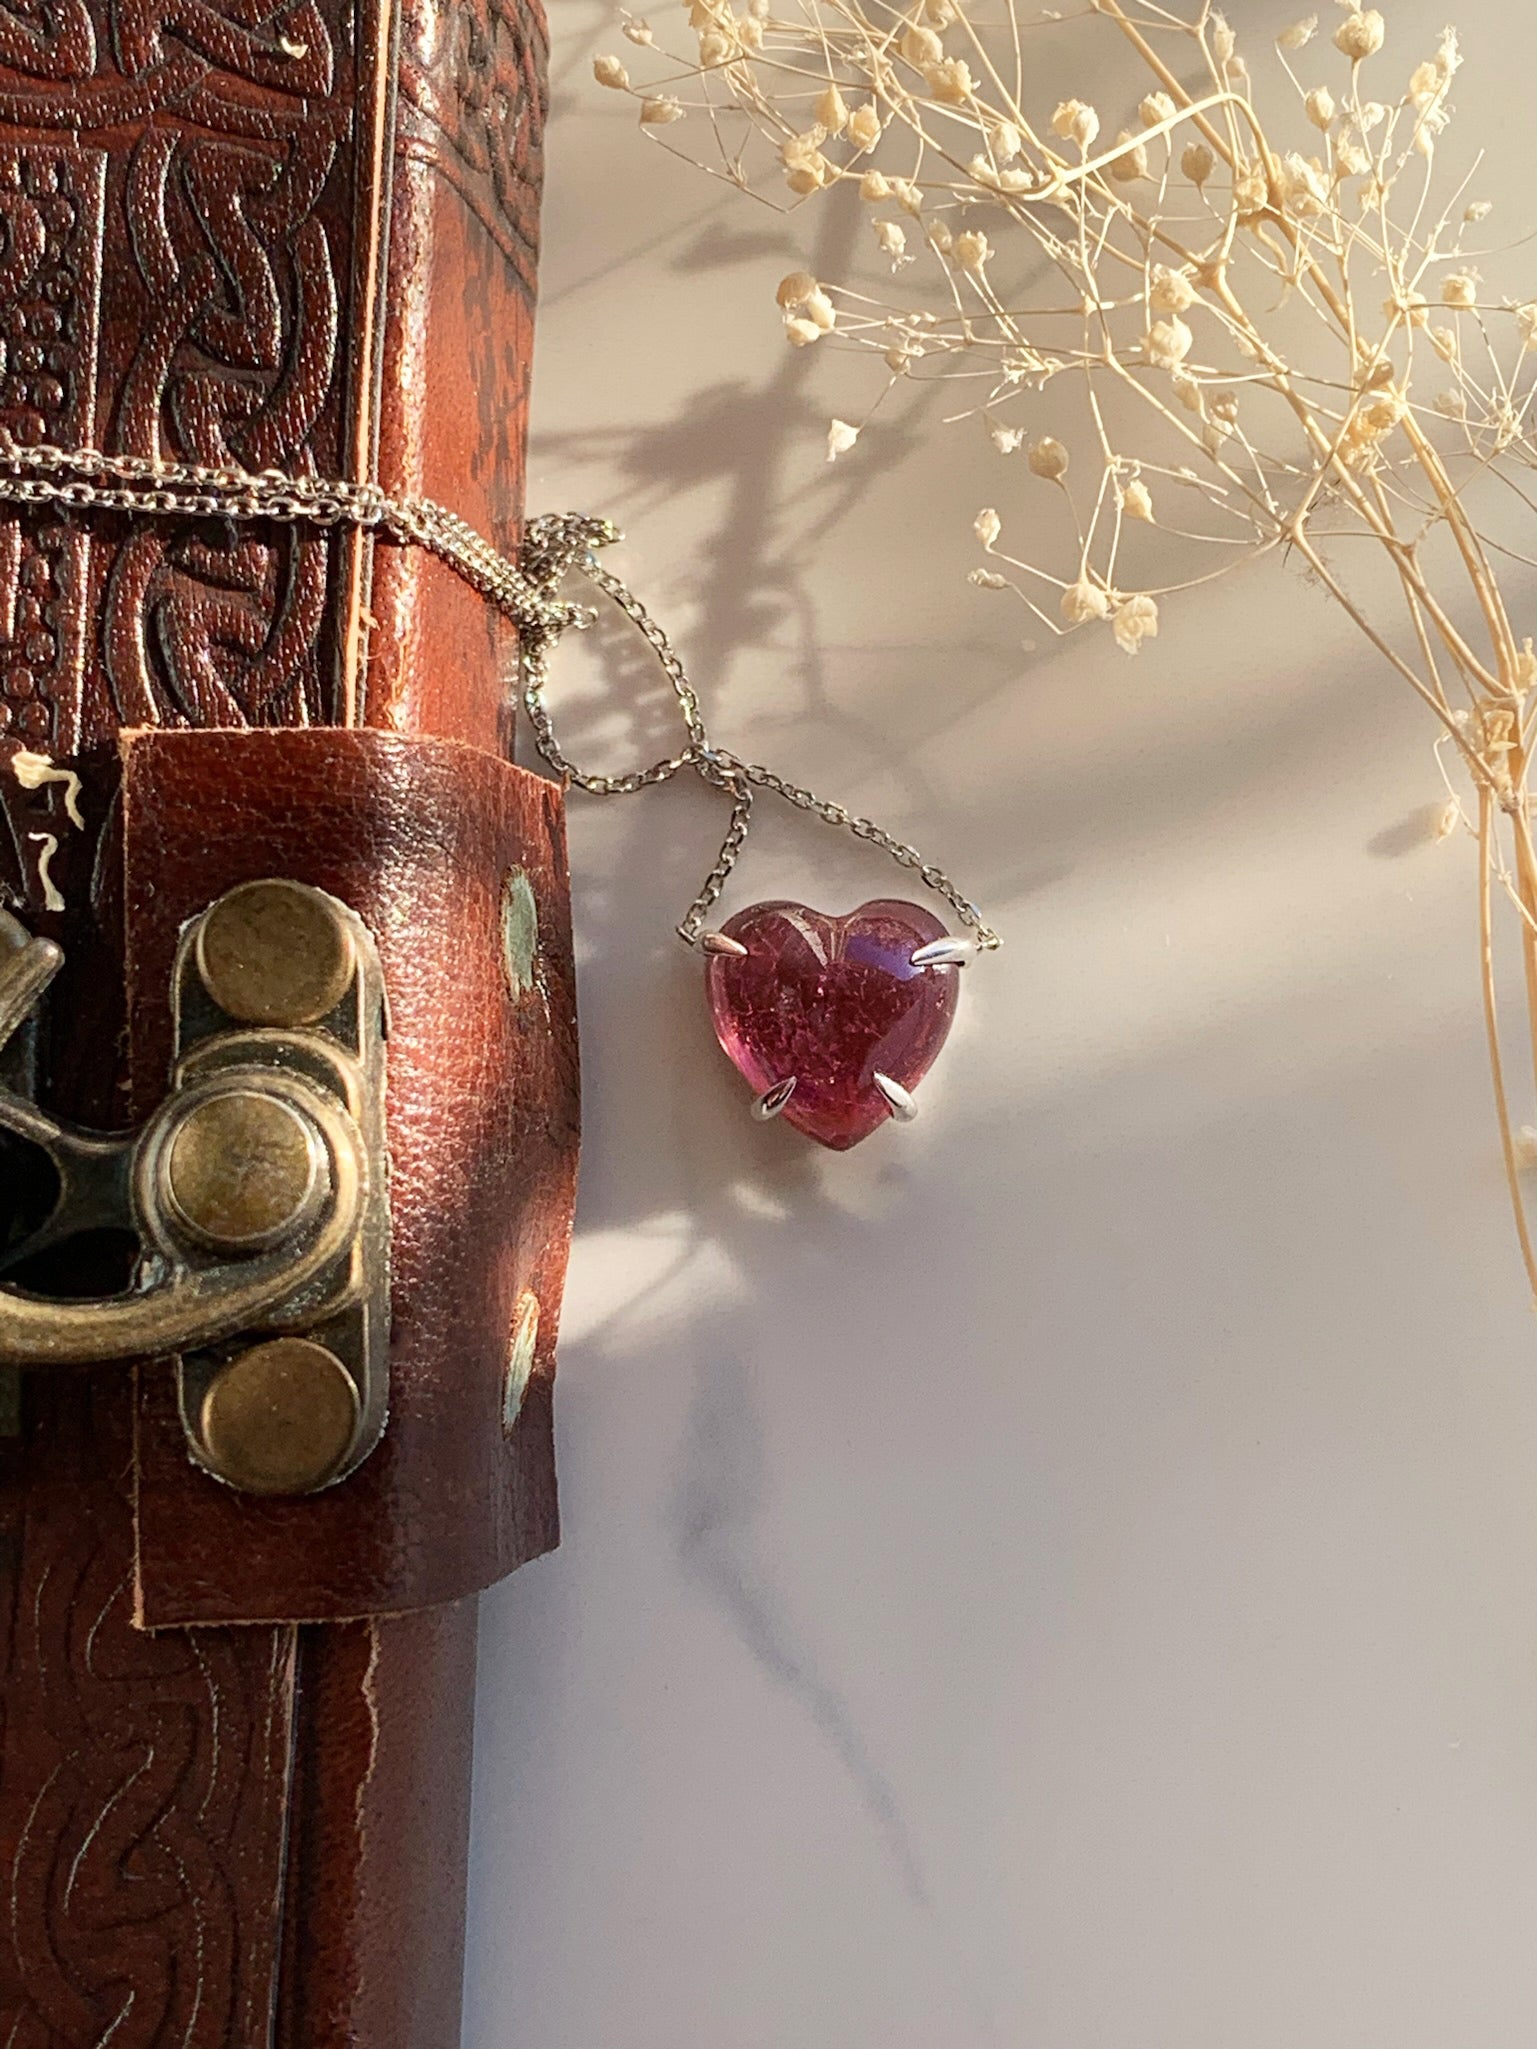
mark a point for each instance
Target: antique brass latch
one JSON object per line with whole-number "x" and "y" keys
{"x": 254, "y": 1201}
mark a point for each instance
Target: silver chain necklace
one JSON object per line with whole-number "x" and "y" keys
{"x": 528, "y": 594}
{"x": 833, "y": 1020}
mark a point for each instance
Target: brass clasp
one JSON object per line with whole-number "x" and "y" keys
{"x": 255, "y": 1196}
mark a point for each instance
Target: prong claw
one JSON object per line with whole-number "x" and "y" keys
{"x": 722, "y": 942}
{"x": 944, "y": 953}
{"x": 903, "y": 1108}
{"x": 773, "y": 1100}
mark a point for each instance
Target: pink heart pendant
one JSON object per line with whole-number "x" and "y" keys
{"x": 828, "y": 1004}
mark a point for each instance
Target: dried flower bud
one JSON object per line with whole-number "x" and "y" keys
{"x": 1197, "y": 162}
{"x": 1168, "y": 343}
{"x": 715, "y": 47}
{"x": 1479, "y": 210}
{"x": 1526, "y": 669}
{"x": 951, "y": 83}
{"x": 1170, "y": 290}
{"x": 1223, "y": 43}
{"x": 831, "y": 110}
{"x": 1155, "y": 108}
{"x": 907, "y": 195}
{"x": 941, "y": 237}
{"x": 1526, "y": 325}
{"x": 972, "y": 250}
{"x": 921, "y": 47}
{"x": 1131, "y": 163}
{"x": 1444, "y": 341}
{"x": 806, "y": 169}
{"x": 801, "y": 332}
{"x": 1005, "y": 141}
{"x": 1428, "y": 85}
{"x": 1082, "y": 601}
{"x": 1304, "y": 188}
{"x": 1049, "y": 459}
{"x": 659, "y": 113}
{"x": 988, "y": 580}
{"x": 820, "y": 310}
{"x": 1360, "y": 35}
{"x": 1188, "y": 391}
{"x": 1300, "y": 33}
{"x": 1460, "y": 289}
{"x": 1320, "y": 107}
{"x": 840, "y": 439}
{"x": 639, "y": 31}
{"x": 1136, "y": 620}
{"x": 795, "y": 289}
{"x": 987, "y": 526}
{"x": 1451, "y": 405}
{"x": 1137, "y": 501}
{"x": 1075, "y": 121}
{"x": 865, "y": 126}
{"x": 808, "y": 174}
{"x": 1351, "y": 160}
{"x": 610, "y": 72}
{"x": 1375, "y": 416}
{"x": 1251, "y": 193}
{"x": 874, "y": 186}
{"x": 750, "y": 32}
{"x": 891, "y": 238}
{"x": 1008, "y": 440}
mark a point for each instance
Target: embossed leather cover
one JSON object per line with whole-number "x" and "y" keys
{"x": 296, "y": 234}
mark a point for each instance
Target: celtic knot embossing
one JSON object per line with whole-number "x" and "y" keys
{"x": 226, "y": 229}
{"x": 473, "y": 79}
{"x": 138, "y": 1772}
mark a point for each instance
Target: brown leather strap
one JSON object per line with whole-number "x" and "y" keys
{"x": 441, "y": 849}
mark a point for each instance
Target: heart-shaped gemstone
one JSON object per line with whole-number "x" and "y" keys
{"x": 831, "y": 1003}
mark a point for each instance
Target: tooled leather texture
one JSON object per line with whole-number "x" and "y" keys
{"x": 423, "y": 839}
{"x": 225, "y": 235}
{"x": 143, "y": 1779}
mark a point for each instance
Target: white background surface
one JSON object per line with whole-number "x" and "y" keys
{"x": 1063, "y": 1576}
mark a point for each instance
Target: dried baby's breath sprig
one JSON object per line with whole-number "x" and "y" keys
{"x": 1254, "y": 318}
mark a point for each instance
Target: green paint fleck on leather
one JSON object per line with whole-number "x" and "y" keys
{"x": 520, "y": 932}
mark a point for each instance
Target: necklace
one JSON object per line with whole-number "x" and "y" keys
{"x": 832, "y": 1020}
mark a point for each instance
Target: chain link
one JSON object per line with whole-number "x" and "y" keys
{"x": 88, "y": 479}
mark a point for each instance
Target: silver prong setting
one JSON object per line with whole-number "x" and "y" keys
{"x": 944, "y": 953}
{"x": 772, "y": 1101}
{"x": 900, "y": 1103}
{"x": 723, "y": 944}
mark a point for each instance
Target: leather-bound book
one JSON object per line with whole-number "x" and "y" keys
{"x": 295, "y": 236}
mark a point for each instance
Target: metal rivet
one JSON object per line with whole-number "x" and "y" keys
{"x": 241, "y": 1168}
{"x": 520, "y": 1360}
{"x": 520, "y": 932}
{"x": 275, "y": 953}
{"x": 279, "y": 1418}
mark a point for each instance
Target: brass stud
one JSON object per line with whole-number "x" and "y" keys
{"x": 275, "y": 953}
{"x": 242, "y": 1168}
{"x": 279, "y": 1418}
